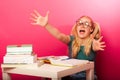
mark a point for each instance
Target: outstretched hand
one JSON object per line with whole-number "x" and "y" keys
{"x": 98, "y": 44}
{"x": 38, "y": 19}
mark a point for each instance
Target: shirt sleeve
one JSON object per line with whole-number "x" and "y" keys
{"x": 71, "y": 38}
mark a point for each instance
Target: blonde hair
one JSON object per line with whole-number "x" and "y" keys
{"x": 77, "y": 41}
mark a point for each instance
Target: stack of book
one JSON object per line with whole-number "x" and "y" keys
{"x": 22, "y": 54}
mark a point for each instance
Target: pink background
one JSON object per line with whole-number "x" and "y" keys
{"x": 15, "y": 28}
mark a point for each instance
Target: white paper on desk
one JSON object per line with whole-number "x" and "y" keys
{"x": 68, "y": 62}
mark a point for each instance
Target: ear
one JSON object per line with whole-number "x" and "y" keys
{"x": 91, "y": 30}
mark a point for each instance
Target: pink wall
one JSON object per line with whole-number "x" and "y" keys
{"x": 15, "y": 28}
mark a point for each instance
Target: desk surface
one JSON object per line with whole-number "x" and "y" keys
{"x": 48, "y": 70}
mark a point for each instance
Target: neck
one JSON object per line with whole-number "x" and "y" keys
{"x": 84, "y": 40}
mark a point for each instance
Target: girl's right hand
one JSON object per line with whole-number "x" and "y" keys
{"x": 38, "y": 19}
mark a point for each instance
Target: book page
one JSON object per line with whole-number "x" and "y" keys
{"x": 68, "y": 62}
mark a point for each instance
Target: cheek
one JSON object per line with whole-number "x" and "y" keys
{"x": 88, "y": 31}
{"x": 78, "y": 28}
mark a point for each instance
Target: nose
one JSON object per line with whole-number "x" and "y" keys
{"x": 82, "y": 26}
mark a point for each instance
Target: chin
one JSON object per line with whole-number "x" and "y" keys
{"x": 82, "y": 37}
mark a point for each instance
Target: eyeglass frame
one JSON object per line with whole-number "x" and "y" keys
{"x": 85, "y": 24}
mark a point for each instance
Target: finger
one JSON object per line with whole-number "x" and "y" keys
{"x": 100, "y": 38}
{"x": 47, "y": 14}
{"x": 33, "y": 15}
{"x": 103, "y": 46}
{"x": 102, "y": 43}
{"x": 37, "y": 13}
{"x": 101, "y": 49}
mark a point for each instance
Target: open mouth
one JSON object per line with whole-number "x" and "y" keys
{"x": 82, "y": 31}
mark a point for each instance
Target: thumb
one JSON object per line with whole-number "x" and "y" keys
{"x": 47, "y": 14}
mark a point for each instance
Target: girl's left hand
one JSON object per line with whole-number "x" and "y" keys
{"x": 98, "y": 44}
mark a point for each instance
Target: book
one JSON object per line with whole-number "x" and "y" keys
{"x": 19, "y": 58}
{"x": 20, "y": 53}
{"x": 38, "y": 63}
{"x": 68, "y": 62}
{"x": 24, "y": 48}
{"x": 46, "y": 59}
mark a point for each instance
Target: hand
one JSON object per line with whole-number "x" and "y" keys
{"x": 38, "y": 19}
{"x": 98, "y": 45}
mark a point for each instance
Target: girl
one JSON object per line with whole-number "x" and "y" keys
{"x": 83, "y": 42}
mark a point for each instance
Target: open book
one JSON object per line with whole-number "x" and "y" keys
{"x": 68, "y": 62}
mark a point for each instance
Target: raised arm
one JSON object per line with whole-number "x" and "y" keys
{"x": 43, "y": 22}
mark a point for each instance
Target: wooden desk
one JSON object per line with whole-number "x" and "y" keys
{"x": 49, "y": 71}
